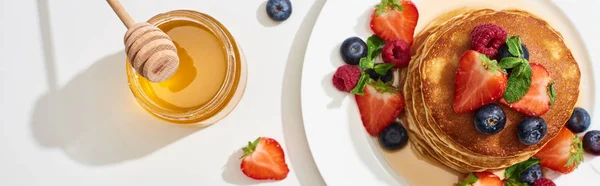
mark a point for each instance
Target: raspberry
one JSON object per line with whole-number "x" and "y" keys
{"x": 396, "y": 52}
{"x": 544, "y": 182}
{"x": 487, "y": 38}
{"x": 346, "y": 77}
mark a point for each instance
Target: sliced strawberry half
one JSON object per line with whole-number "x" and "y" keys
{"x": 479, "y": 81}
{"x": 379, "y": 107}
{"x": 392, "y": 21}
{"x": 563, "y": 153}
{"x": 264, "y": 160}
{"x": 481, "y": 179}
{"x": 537, "y": 100}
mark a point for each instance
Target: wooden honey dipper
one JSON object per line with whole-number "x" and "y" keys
{"x": 149, "y": 50}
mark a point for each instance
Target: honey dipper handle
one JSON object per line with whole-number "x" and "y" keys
{"x": 121, "y": 12}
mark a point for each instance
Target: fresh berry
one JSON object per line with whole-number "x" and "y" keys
{"x": 393, "y": 137}
{"x": 537, "y": 100}
{"x": 389, "y": 75}
{"x": 591, "y": 142}
{"x": 379, "y": 107}
{"x": 544, "y": 182}
{"x": 279, "y": 10}
{"x": 264, "y": 160}
{"x": 346, "y": 77}
{"x": 487, "y": 38}
{"x": 580, "y": 120}
{"x": 390, "y": 22}
{"x": 563, "y": 153}
{"x": 396, "y": 52}
{"x": 503, "y": 52}
{"x": 490, "y": 119}
{"x": 479, "y": 81}
{"x": 481, "y": 179}
{"x": 531, "y": 174}
{"x": 353, "y": 49}
{"x": 531, "y": 130}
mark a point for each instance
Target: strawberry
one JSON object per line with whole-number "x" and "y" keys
{"x": 479, "y": 81}
{"x": 392, "y": 21}
{"x": 264, "y": 160}
{"x": 537, "y": 100}
{"x": 481, "y": 179}
{"x": 563, "y": 153}
{"x": 379, "y": 106}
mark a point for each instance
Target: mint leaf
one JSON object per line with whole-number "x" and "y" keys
{"x": 366, "y": 63}
{"x": 519, "y": 82}
{"x": 514, "y": 172}
{"x": 510, "y": 62}
{"x": 374, "y": 46}
{"x": 514, "y": 45}
{"x": 360, "y": 86}
{"x": 469, "y": 180}
{"x": 552, "y": 93}
{"x": 381, "y": 69}
{"x": 375, "y": 53}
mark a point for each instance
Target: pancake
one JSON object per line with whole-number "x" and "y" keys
{"x": 450, "y": 138}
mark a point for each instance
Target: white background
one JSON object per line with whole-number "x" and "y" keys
{"x": 67, "y": 116}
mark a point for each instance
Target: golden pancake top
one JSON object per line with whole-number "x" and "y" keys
{"x": 438, "y": 65}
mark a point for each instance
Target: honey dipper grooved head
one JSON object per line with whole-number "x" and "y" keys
{"x": 151, "y": 52}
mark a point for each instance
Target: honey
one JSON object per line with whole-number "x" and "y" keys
{"x": 211, "y": 76}
{"x": 202, "y": 68}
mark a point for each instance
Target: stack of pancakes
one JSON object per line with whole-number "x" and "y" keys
{"x": 451, "y": 138}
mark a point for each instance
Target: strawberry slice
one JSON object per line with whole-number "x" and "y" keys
{"x": 392, "y": 21}
{"x": 379, "y": 106}
{"x": 537, "y": 100}
{"x": 479, "y": 81}
{"x": 563, "y": 153}
{"x": 481, "y": 179}
{"x": 264, "y": 160}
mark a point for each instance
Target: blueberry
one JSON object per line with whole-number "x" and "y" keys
{"x": 372, "y": 74}
{"x": 389, "y": 75}
{"x": 490, "y": 119}
{"x": 353, "y": 49}
{"x": 531, "y": 174}
{"x": 591, "y": 142}
{"x": 579, "y": 121}
{"x": 531, "y": 130}
{"x": 279, "y": 10}
{"x": 393, "y": 137}
{"x": 503, "y": 52}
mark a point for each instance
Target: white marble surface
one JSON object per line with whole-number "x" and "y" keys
{"x": 67, "y": 116}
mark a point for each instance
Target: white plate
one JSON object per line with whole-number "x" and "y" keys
{"x": 346, "y": 155}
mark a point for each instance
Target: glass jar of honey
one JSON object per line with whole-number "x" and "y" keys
{"x": 211, "y": 77}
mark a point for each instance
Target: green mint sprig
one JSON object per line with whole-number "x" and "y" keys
{"x": 519, "y": 80}
{"x": 374, "y": 46}
{"x": 381, "y": 69}
{"x": 360, "y": 86}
